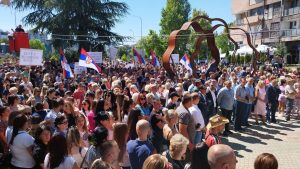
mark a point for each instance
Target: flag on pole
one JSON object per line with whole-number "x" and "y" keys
{"x": 67, "y": 71}
{"x": 86, "y": 60}
{"x": 154, "y": 59}
{"x": 138, "y": 58}
{"x": 185, "y": 61}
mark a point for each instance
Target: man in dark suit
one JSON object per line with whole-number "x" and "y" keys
{"x": 211, "y": 98}
{"x": 272, "y": 93}
{"x": 203, "y": 104}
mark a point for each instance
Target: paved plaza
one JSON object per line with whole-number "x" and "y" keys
{"x": 281, "y": 139}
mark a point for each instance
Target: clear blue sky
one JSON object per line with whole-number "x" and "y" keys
{"x": 148, "y": 10}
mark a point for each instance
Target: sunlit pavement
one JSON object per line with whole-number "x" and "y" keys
{"x": 281, "y": 139}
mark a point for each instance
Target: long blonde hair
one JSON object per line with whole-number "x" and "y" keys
{"x": 259, "y": 85}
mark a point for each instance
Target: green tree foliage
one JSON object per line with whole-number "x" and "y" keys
{"x": 90, "y": 18}
{"x": 4, "y": 40}
{"x": 173, "y": 16}
{"x": 204, "y": 51}
{"x": 122, "y": 51}
{"x": 223, "y": 42}
{"x": 152, "y": 41}
{"x": 248, "y": 58}
{"x": 37, "y": 44}
{"x": 281, "y": 49}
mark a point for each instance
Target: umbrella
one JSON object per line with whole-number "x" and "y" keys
{"x": 244, "y": 50}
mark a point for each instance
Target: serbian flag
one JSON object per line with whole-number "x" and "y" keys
{"x": 86, "y": 60}
{"x": 138, "y": 58}
{"x": 154, "y": 59}
{"x": 67, "y": 71}
{"x": 185, "y": 61}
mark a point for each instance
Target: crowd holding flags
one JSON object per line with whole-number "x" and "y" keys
{"x": 67, "y": 71}
{"x": 154, "y": 59}
{"x": 138, "y": 57}
{"x": 185, "y": 61}
{"x": 86, "y": 60}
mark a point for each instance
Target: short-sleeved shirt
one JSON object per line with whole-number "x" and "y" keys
{"x": 67, "y": 163}
{"x": 186, "y": 118}
{"x": 19, "y": 148}
{"x": 138, "y": 151}
{"x": 211, "y": 139}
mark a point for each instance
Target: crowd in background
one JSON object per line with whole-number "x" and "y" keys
{"x": 137, "y": 117}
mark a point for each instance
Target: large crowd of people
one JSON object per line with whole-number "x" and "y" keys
{"x": 137, "y": 117}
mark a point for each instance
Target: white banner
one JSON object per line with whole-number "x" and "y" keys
{"x": 79, "y": 69}
{"x": 175, "y": 58}
{"x": 31, "y": 57}
{"x": 113, "y": 53}
{"x": 97, "y": 56}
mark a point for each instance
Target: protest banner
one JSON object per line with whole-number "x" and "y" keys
{"x": 31, "y": 57}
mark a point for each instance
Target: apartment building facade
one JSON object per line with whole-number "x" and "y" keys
{"x": 269, "y": 22}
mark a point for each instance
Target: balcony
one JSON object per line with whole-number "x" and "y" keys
{"x": 253, "y": 19}
{"x": 290, "y": 32}
{"x": 291, "y": 11}
{"x": 239, "y": 22}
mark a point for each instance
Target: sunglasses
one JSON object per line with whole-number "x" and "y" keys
{"x": 143, "y": 98}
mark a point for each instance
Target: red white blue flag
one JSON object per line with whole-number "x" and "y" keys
{"x": 138, "y": 58}
{"x": 185, "y": 61}
{"x": 154, "y": 59}
{"x": 67, "y": 71}
{"x": 86, "y": 60}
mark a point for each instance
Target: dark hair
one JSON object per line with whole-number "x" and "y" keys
{"x": 266, "y": 161}
{"x": 57, "y": 150}
{"x": 106, "y": 147}
{"x": 119, "y": 132}
{"x": 39, "y": 106}
{"x": 126, "y": 105}
{"x": 98, "y": 136}
{"x": 89, "y": 103}
{"x": 11, "y": 99}
{"x": 55, "y": 104}
{"x": 2, "y": 109}
{"x": 100, "y": 106}
{"x": 39, "y": 131}
{"x": 186, "y": 98}
{"x": 50, "y": 90}
{"x": 19, "y": 122}
{"x": 199, "y": 157}
{"x": 133, "y": 118}
{"x": 21, "y": 89}
{"x": 59, "y": 120}
{"x": 100, "y": 116}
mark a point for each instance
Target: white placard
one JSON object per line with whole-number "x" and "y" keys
{"x": 97, "y": 56}
{"x": 79, "y": 69}
{"x": 113, "y": 53}
{"x": 31, "y": 57}
{"x": 175, "y": 58}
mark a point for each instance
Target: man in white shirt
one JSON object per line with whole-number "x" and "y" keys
{"x": 198, "y": 118}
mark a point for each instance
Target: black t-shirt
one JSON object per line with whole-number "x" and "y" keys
{"x": 157, "y": 137}
{"x": 175, "y": 163}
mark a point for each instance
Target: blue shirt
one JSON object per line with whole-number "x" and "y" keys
{"x": 225, "y": 98}
{"x": 138, "y": 152}
{"x": 250, "y": 89}
{"x": 242, "y": 92}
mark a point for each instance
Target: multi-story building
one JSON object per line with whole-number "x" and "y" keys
{"x": 269, "y": 22}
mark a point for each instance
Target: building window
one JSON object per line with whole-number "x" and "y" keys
{"x": 253, "y": 2}
{"x": 275, "y": 26}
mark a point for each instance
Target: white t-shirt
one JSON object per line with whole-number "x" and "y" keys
{"x": 21, "y": 156}
{"x": 66, "y": 164}
{"x": 197, "y": 115}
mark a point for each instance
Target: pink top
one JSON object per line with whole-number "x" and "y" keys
{"x": 92, "y": 124}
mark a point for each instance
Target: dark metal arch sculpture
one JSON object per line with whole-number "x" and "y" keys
{"x": 209, "y": 36}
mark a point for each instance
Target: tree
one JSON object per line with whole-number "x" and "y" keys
{"x": 37, "y": 44}
{"x": 152, "y": 41}
{"x": 223, "y": 42}
{"x": 75, "y": 21}
{"x": 173, "y": 16}
{"x": 122, "y": 51}
{"x": 281, "y": 49}
{"x": 204, "y": 52}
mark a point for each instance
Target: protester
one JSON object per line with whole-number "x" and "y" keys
{"x": 214, "y": 128}
{"x": 221, "y": 156}
{"x": 266, "y": 161}
{"x": 140, "y": 148}
{"x": 156, "y": 161}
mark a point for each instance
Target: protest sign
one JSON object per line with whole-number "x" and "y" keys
{"x": 31, "y": 57}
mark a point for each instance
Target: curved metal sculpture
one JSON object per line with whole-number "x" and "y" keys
{"x": 204, "y": 35}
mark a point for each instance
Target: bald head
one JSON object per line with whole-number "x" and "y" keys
{"x": 221, "y": 156}
{"x": 142, "y": 128}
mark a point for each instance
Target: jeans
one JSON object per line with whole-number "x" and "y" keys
{"x": 198, "y": 137}
{"x": 247, "y": 114}
{"x": 271, "y": 110}
{"x": 289, "y": 107}
{"x": 227, "y": 114}
{"x": 240, "y": 108}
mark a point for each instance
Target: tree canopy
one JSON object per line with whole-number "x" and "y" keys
{"x": 87, "y": 23}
